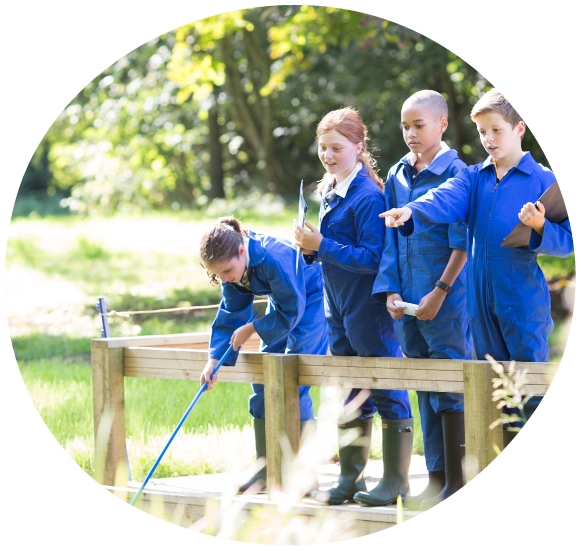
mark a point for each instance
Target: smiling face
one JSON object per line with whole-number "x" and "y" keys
{"x": 422, "y": 130}
{"x": 501, "y": 141}
{"x": 338, "y": 154}
{"x": 229, "y": 271}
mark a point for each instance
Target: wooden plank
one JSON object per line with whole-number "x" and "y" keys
{"x": 308, "y": 360}
{"x": 479, "y": 412}
{"x": 536, "y": 390}
{"x": 198, "y": 340}
{"x": 192, "y": 375}
{"x": 393, "y": 384}
{"x": 183, "y": 354}
{"x": 155, "y": 340}
{"x": 383, "y": 373}
{"x": 189, "y": 365}
{"x": 109, "y": 415}
{"x": 185, "y": 508}
{"x": 281, "y": 398}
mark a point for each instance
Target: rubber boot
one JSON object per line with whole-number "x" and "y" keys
{"x": 352, "y": 460}
{"x": 436, "y": 481}
{"x": 259, "y": 478}
{"x": 398, "y": 443}
{"x": 454, "y": 452}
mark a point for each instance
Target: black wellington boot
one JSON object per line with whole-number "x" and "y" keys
{"x": 436, "y": 482}
{"x": 398, "y": 443}
{"x": 454, "y": 452}
{"x": 352, "y": 459}
{"x": 259, "y": 478}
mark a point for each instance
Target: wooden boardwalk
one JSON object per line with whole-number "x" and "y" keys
{"x": 185, "y": 500}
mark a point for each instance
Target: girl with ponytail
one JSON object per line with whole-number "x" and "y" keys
{"x": 249, "y": 264}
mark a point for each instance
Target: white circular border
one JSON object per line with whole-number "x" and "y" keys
{"x": 527, "y": 496}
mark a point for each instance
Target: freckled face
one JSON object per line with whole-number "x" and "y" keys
{"x": 230, "y": 271}
{"x": 498, "y": 137}
{"x": 338, "y": 154}
{"x": 422, "y": 130}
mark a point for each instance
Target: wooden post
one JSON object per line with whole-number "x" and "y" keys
{"x": 281, "y": 400}
{"x": 479, "y": 411}
{"x": 109, "y": 413}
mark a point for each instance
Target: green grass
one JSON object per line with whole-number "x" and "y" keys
{"x": 57, "y": 374}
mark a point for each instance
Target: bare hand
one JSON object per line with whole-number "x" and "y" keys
{"x": 206, "y": 376}
{"x": 396, "y": 312}
{"x": 241, "y": 335}
{"x": 308, "y": 240}
{"x": 533, "y": 215}
{"x": 430, "y": 305}
{"x": 396, "y": 217}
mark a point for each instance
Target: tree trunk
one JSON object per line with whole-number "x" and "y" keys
{"x": 216, "y": 167}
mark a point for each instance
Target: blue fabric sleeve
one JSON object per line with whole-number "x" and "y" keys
{"x": 387, "y": 280}
{"x": 234, "y": 311}
{"x": 288, "y": 293}
{"x": 557, "y": 240}
{"x": 448, "y": 203}
{"x": 457, "y": 235}
{"x": 366, "y": 255}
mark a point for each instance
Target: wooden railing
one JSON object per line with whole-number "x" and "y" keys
{"x": 184, "y": 356}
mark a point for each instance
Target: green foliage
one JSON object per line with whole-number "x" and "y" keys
{"x": 226, "y": 108}
{"x": 557, "y": 268}
{"x": 40, "y": 346}
{"x": 168, "y": 467}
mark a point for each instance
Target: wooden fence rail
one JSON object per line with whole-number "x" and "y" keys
{"x": 184, "y": 356}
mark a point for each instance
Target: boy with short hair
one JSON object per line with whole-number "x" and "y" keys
{"x": 428, "y": 270}
{"x": 508, "y": 298}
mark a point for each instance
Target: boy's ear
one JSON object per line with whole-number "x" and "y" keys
{"x": 521, "y": 127}
{"x": 443, "y": 124}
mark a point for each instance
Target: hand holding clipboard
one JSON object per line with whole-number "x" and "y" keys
{"x": 555, "y": 211}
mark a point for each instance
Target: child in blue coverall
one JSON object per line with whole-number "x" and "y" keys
{"x": 349, "y": 244}
{"x": 249, "y": 264}
{"x": 509, "y": 305}
{"x": 428, "y": 269}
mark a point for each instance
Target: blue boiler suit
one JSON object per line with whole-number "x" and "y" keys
{"x": 509, "y": 305}
{"x": 350, "y": 252}
{"x": 294, "y": 321}
{"x": 410, "y": 266}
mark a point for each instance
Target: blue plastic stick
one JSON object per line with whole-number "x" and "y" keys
{"x": 184, "y": 417}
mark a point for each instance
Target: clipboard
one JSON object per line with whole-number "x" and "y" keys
{"x": 301, "y": 222}
{"x": 555, "y": 211}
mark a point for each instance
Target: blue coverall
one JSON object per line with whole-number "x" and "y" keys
{"x": 350, "y": 252}
{"x": 294, "y": 322}
{"x": 509, "y": 305}
{"x": 410, "y": 266}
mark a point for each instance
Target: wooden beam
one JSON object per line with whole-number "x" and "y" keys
{"x": 479, "y": 412}
{"x": 281, "y": 398}
{"x": 109, "y": 413}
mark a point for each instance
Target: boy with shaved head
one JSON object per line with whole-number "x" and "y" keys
{"x": 428, "y": 271}
{"x": 508, "y": 298}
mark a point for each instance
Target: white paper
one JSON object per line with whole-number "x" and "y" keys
{"x": 410, "y": 309}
